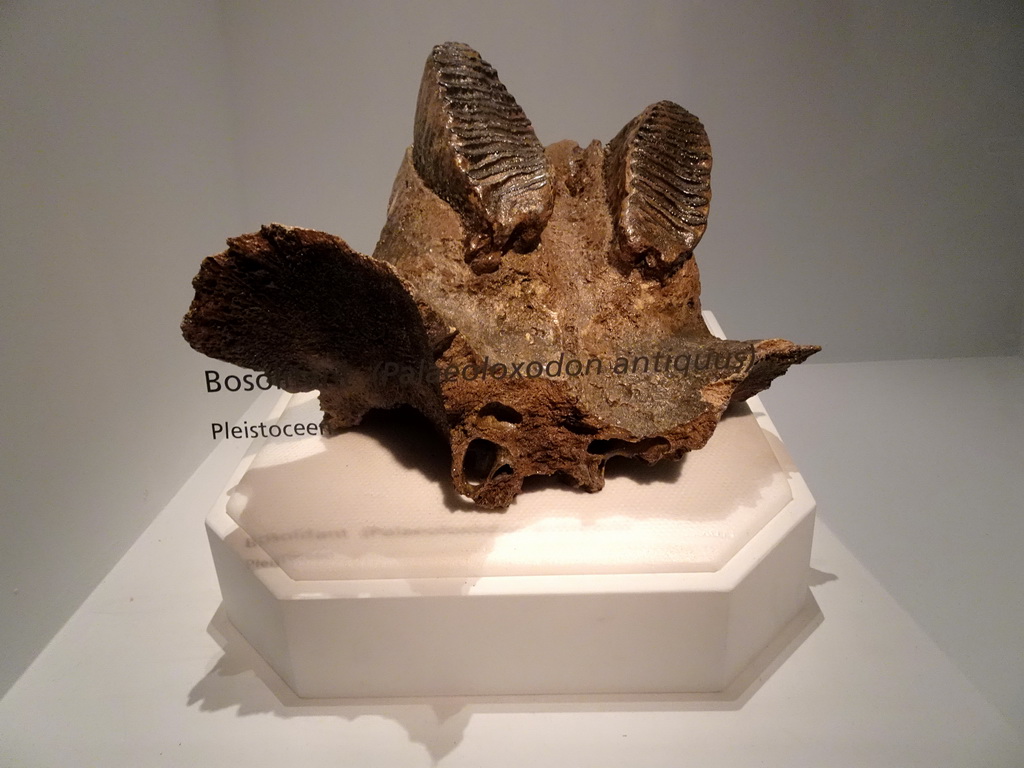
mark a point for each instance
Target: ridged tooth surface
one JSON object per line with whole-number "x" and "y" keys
{"x": 476, "y": 149}
{"x": 658, "y": 171}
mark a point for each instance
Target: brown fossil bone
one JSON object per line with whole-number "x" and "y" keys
{"x": 541, "y": 306}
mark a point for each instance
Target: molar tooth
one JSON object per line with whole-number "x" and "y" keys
{"x": 658, "y": 175}
{"x": 475, "y": 148}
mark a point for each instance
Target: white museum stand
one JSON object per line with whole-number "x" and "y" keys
{"x": 915, "y": 665}
{"x": 356, "y": 573}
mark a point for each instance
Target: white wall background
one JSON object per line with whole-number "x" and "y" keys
{"x": 868, "y": 187}
{"x": 117, "y": 177}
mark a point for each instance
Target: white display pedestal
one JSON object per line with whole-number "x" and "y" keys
{"x": 352, "y": 575}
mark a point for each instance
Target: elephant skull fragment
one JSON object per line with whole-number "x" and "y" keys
{"x": 541, "y": 306}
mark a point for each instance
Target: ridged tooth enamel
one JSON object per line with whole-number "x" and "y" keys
{"x": 658, "y": 172}
{"x": 475, "y": 148}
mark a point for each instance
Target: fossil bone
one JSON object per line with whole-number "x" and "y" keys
{"x": 540, "y": 306}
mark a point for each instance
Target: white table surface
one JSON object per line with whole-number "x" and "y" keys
{"x": 911, "y": 655}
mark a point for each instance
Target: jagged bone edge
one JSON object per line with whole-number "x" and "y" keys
{"x": 313, "y": 314}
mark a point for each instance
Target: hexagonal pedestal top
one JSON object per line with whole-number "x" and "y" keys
{"x": 354, "y": 570}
